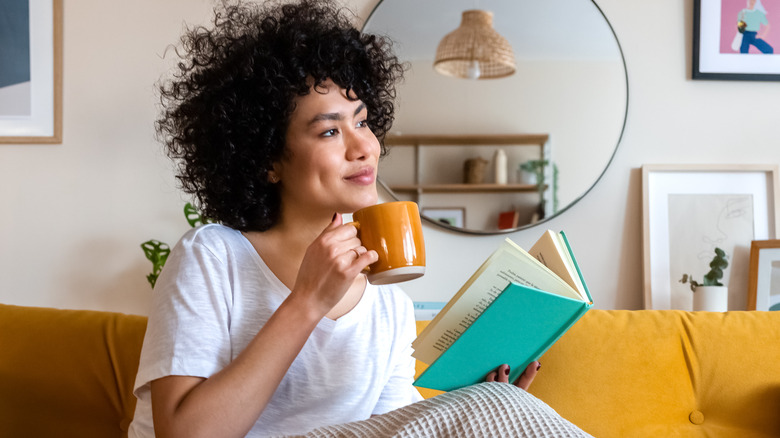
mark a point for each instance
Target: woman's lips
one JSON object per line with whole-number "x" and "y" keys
{"x": 363, "y": 177}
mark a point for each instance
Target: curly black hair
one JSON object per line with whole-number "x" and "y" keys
{"x": 226, "y": 109}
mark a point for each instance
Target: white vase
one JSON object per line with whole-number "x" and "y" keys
{"x": 711, "y": 298}
{"x": 499, "y": 163}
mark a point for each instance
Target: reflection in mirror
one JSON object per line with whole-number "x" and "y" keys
{"x": 570, "y": 89}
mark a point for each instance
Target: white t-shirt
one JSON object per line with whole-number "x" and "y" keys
{"x": 215, "y": 294}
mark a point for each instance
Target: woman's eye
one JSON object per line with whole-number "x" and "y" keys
{"x": 363, "y": 124}
{"x": 330, "y": 132}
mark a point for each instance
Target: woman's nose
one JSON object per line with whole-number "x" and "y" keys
{"x": 361, "y": 144}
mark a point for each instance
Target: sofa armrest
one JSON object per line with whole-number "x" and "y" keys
{"x": 67, "y": 372}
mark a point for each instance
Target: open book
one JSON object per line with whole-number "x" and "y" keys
{"x": 511, "y": 310}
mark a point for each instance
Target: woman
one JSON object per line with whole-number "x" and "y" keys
{"x": 753, "y": 17}
{"x": 264, "y": 324}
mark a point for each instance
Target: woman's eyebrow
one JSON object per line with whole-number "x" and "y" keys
{"x": 360, "y": 108}
{"x": 335, "y": 116}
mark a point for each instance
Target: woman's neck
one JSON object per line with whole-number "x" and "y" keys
{"x": 283, "y": 246}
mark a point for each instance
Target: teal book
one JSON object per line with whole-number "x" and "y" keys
{"x": 511, "y": 310}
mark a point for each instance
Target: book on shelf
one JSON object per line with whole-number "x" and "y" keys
{"x": 510, "y": 311}
{"x": 508, "y": 219}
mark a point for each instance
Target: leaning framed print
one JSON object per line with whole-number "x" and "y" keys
{"x": 732, "y": 40}
{"x": 764, "y": 280}
{"x": 452, "y": 216}
{"x": 688, "y": 211}
{"x": 31, "y": 71}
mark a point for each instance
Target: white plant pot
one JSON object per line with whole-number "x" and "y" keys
{"x": 711, "y": 298}
{"x": 525, "y": 177}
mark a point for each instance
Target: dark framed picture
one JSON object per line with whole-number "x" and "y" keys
{"x": 31, "y": 71}
{"x": 732, "y": 40}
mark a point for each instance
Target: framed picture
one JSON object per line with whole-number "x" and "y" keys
{"x": 731, "y": 40}
{"x": 452, "y": 216}
{"x": 31, "y": 71}
{"x": 764, "y": 280}
{"x": 688, "y": 211}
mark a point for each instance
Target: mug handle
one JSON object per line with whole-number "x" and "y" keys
{"x": 356, "y": 224}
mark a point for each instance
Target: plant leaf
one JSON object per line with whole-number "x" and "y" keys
{"x": 194, "y": 218}
{"x": 156, "y": 252}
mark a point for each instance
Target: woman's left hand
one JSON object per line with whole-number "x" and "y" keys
{"x": 501, "y": 374}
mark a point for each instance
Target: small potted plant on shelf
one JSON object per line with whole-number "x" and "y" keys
{"x": 710, "y": 294}
{"x": 531, "y": 172}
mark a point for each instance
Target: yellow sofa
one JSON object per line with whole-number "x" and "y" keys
{"x": 620, "y": 373}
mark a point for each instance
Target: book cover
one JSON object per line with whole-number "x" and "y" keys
{"x": 508, "y": 219}
{"x": 512, "y": 310}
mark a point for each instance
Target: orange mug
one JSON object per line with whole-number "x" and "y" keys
{"x": 394, "y": 231}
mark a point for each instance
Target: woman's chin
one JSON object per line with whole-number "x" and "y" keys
{"x": 365, "y": 201}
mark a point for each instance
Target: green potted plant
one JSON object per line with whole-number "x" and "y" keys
{"x": 710, "y": 294}
{"x": 532, "y": 171}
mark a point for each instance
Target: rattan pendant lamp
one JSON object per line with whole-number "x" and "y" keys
{"x": 475, "y": 50}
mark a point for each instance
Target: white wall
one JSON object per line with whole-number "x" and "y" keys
{"x": 73, "y": 215}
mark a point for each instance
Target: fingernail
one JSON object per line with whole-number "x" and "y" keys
{"x": 506, "y": 371}
{"x": 334, "y": 216}
{"x": 538, "y": 367}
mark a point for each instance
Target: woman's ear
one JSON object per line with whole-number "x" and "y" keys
{"x": 274, "y": 174}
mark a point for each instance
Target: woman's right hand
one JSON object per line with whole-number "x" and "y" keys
{"x": 331, "y": 264}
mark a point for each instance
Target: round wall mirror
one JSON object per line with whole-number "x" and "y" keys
{"x": 487, "y": 156}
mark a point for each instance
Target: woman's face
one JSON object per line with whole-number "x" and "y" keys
{"x": 331, "y": 155}
{"x": 751, "y": 4}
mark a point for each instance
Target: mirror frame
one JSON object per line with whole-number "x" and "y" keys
{"x": 573, "y": 202}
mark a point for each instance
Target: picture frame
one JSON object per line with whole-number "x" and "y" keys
{"x": 715, "y": 32}
{"x": 688, "y": 210}
{"x": 31, "y": 82}
{"x": 452, "y": 216}
{"x": 764, "y": 279}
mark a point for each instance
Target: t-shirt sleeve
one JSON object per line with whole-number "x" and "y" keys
{"x": 188, "y": 329}
{"x": 399, "y": 390}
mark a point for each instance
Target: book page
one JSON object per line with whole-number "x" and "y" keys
{"x": 509, "y": 263}
{"x": 554, "y": 254}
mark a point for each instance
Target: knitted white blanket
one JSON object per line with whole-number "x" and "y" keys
{"x": 483, "y": 410}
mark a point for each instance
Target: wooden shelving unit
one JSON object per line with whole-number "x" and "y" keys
{"x": 467, "y": 140}
{"x": 466, "y": 188}
{"x": 422, "y": 141}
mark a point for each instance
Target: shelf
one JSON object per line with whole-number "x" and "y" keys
{"x": 467, "y": 140}
{"x": 428, "y": 174}
{"x": 466, "y": 188}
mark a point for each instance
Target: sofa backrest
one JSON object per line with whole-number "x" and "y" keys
{"x": 67, "y": 373}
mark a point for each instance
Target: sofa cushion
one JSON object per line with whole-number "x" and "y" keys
{"x": 67, "y": 373}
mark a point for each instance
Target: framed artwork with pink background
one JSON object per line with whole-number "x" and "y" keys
{"x": 732, "y": 40}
